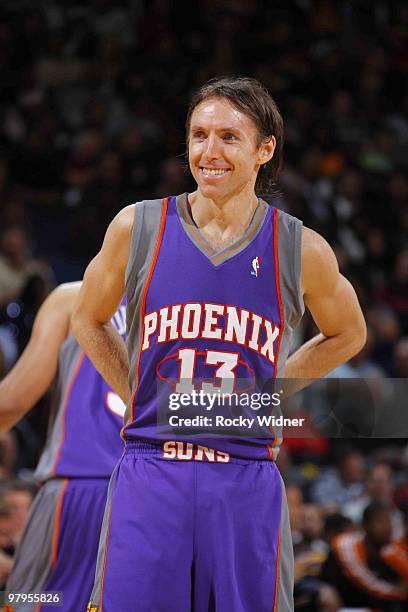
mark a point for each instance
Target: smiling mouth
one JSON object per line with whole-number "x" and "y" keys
{"x": 214, "y": 171}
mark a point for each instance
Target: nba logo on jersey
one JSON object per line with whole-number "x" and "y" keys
{"x": 256, "y": 266}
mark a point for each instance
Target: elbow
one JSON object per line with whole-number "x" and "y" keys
{"x": 359, "y": 337}
{"x": 83, "y": 327}
{"x": 78, "y": 325}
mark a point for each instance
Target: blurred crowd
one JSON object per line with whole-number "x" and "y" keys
{"x": 349, "y": 520}
{"x": 94, "y": 97}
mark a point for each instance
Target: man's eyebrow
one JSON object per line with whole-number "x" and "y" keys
{"x": 197, "y": 128}
{"x": 230, "y": 129}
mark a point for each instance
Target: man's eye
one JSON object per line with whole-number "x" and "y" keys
{"x": 199, "y": 135}
{"x": 229, "y": 136}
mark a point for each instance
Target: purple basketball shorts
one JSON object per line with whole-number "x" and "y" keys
{"x": 186, "y": 528}
{"x": 59, "y": 546}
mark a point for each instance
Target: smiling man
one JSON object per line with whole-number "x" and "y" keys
{"x": 216, "y": 282}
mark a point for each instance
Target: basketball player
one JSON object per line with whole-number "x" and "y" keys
{"x": 58, "y": 548}
{"x": 216, "y": 281}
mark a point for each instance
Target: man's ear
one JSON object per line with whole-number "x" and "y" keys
{"x": 266, "y": 150}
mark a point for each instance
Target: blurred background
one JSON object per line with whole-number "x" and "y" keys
{"x": 94, "y": 97}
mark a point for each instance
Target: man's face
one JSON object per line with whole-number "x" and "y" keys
{"x": 379, "y": 485}
{"x": 352, "y": 468}
{"x": 223, "y": 149}
{"x": 312, "y": 524}
{"x": 6, "y": 531}
{"x": 20, "y": 503}
{"x": 379, "y": 529}
{"x": 295, "y": 502}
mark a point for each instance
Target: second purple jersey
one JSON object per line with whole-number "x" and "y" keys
{"x": 84, "y": 431}
{"x": 219, "y": 318}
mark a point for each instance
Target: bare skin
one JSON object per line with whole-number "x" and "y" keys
{"x": 100, "y": 296}
{"x": 37, "y": 367}
{"x": 334, "y": 306}
{"x": 224, "y": 139}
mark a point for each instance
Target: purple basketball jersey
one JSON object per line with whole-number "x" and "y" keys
{"x": 84, "y": 432}
{"x": 199, "y": 315}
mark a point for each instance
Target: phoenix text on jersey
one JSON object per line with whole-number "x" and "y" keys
{"x": 194, "y": 320}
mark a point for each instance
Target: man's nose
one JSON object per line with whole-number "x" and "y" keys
{"x": 211, "y": 149}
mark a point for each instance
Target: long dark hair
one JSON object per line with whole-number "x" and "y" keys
{"x": 252, "y": 98}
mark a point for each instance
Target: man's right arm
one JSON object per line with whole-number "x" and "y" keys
{"x": 100, "y": 296}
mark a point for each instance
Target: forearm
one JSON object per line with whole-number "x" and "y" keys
{"x": 12, "y": 407}
{"x": 107, "y": 351}
{"x": 321, "y": 355}
{"x": 27, "y": 382}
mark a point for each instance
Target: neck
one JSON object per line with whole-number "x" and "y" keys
{"x": 233, "y": 213}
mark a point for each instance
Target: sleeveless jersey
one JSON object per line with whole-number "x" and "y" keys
{"x": 194, "y": 313}
{"x": 84, "y": 430}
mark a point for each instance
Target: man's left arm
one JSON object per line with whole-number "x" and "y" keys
{"x": 335, "y": 309}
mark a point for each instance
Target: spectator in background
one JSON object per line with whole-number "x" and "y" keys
{"x": 334, "y": 524}
{"x": 356, "y": 569}
{"x": 24, "y": 284}
{"x": 387, "y": 329}
{"x": 8, "y": 455}
{"x": 17, "y": 267}
{"x": 379, "y": 488}
{"x": 362, "y": 365}
{"x": 295, "y": 502}
{"x": 335, "y": 487}
{"x": 18, "y": 496}
{"x": 311, "y": 529}
{"x": 310, "y": 593}
{"x": 6, "y": 543}
{"x": 6, "y": 528}
{"x": 401, "y": 358}
{"x": 396, "y": 553}
{"x": 396, "y": 293}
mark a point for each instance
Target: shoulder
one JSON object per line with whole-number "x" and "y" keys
{"x": 119, "y": 233}
{"x": 123, "y": 222}
{"x": 63, "y": 296}
{"x": 60, "y": 302}
{"x": 314, "y": 245}
{"x": 56, "y": 310}
{"x": 320, "y": 269}
{"x": 118, "y": 237}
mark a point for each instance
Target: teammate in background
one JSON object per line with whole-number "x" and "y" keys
{"x": 216, "y": 282}
{"x": 59, "y": 545}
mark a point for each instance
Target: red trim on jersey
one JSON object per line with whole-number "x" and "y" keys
{"x": 278, "y": 292}
{"x": 143, "y": 304}
{"x": 275, "y": 606}
{"x": 282, "y": 321}
{"x": 54, "y": 556}
{"x": 64, "y": 410}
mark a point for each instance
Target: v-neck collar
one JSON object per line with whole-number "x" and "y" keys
{"x": 194, "y": 234}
